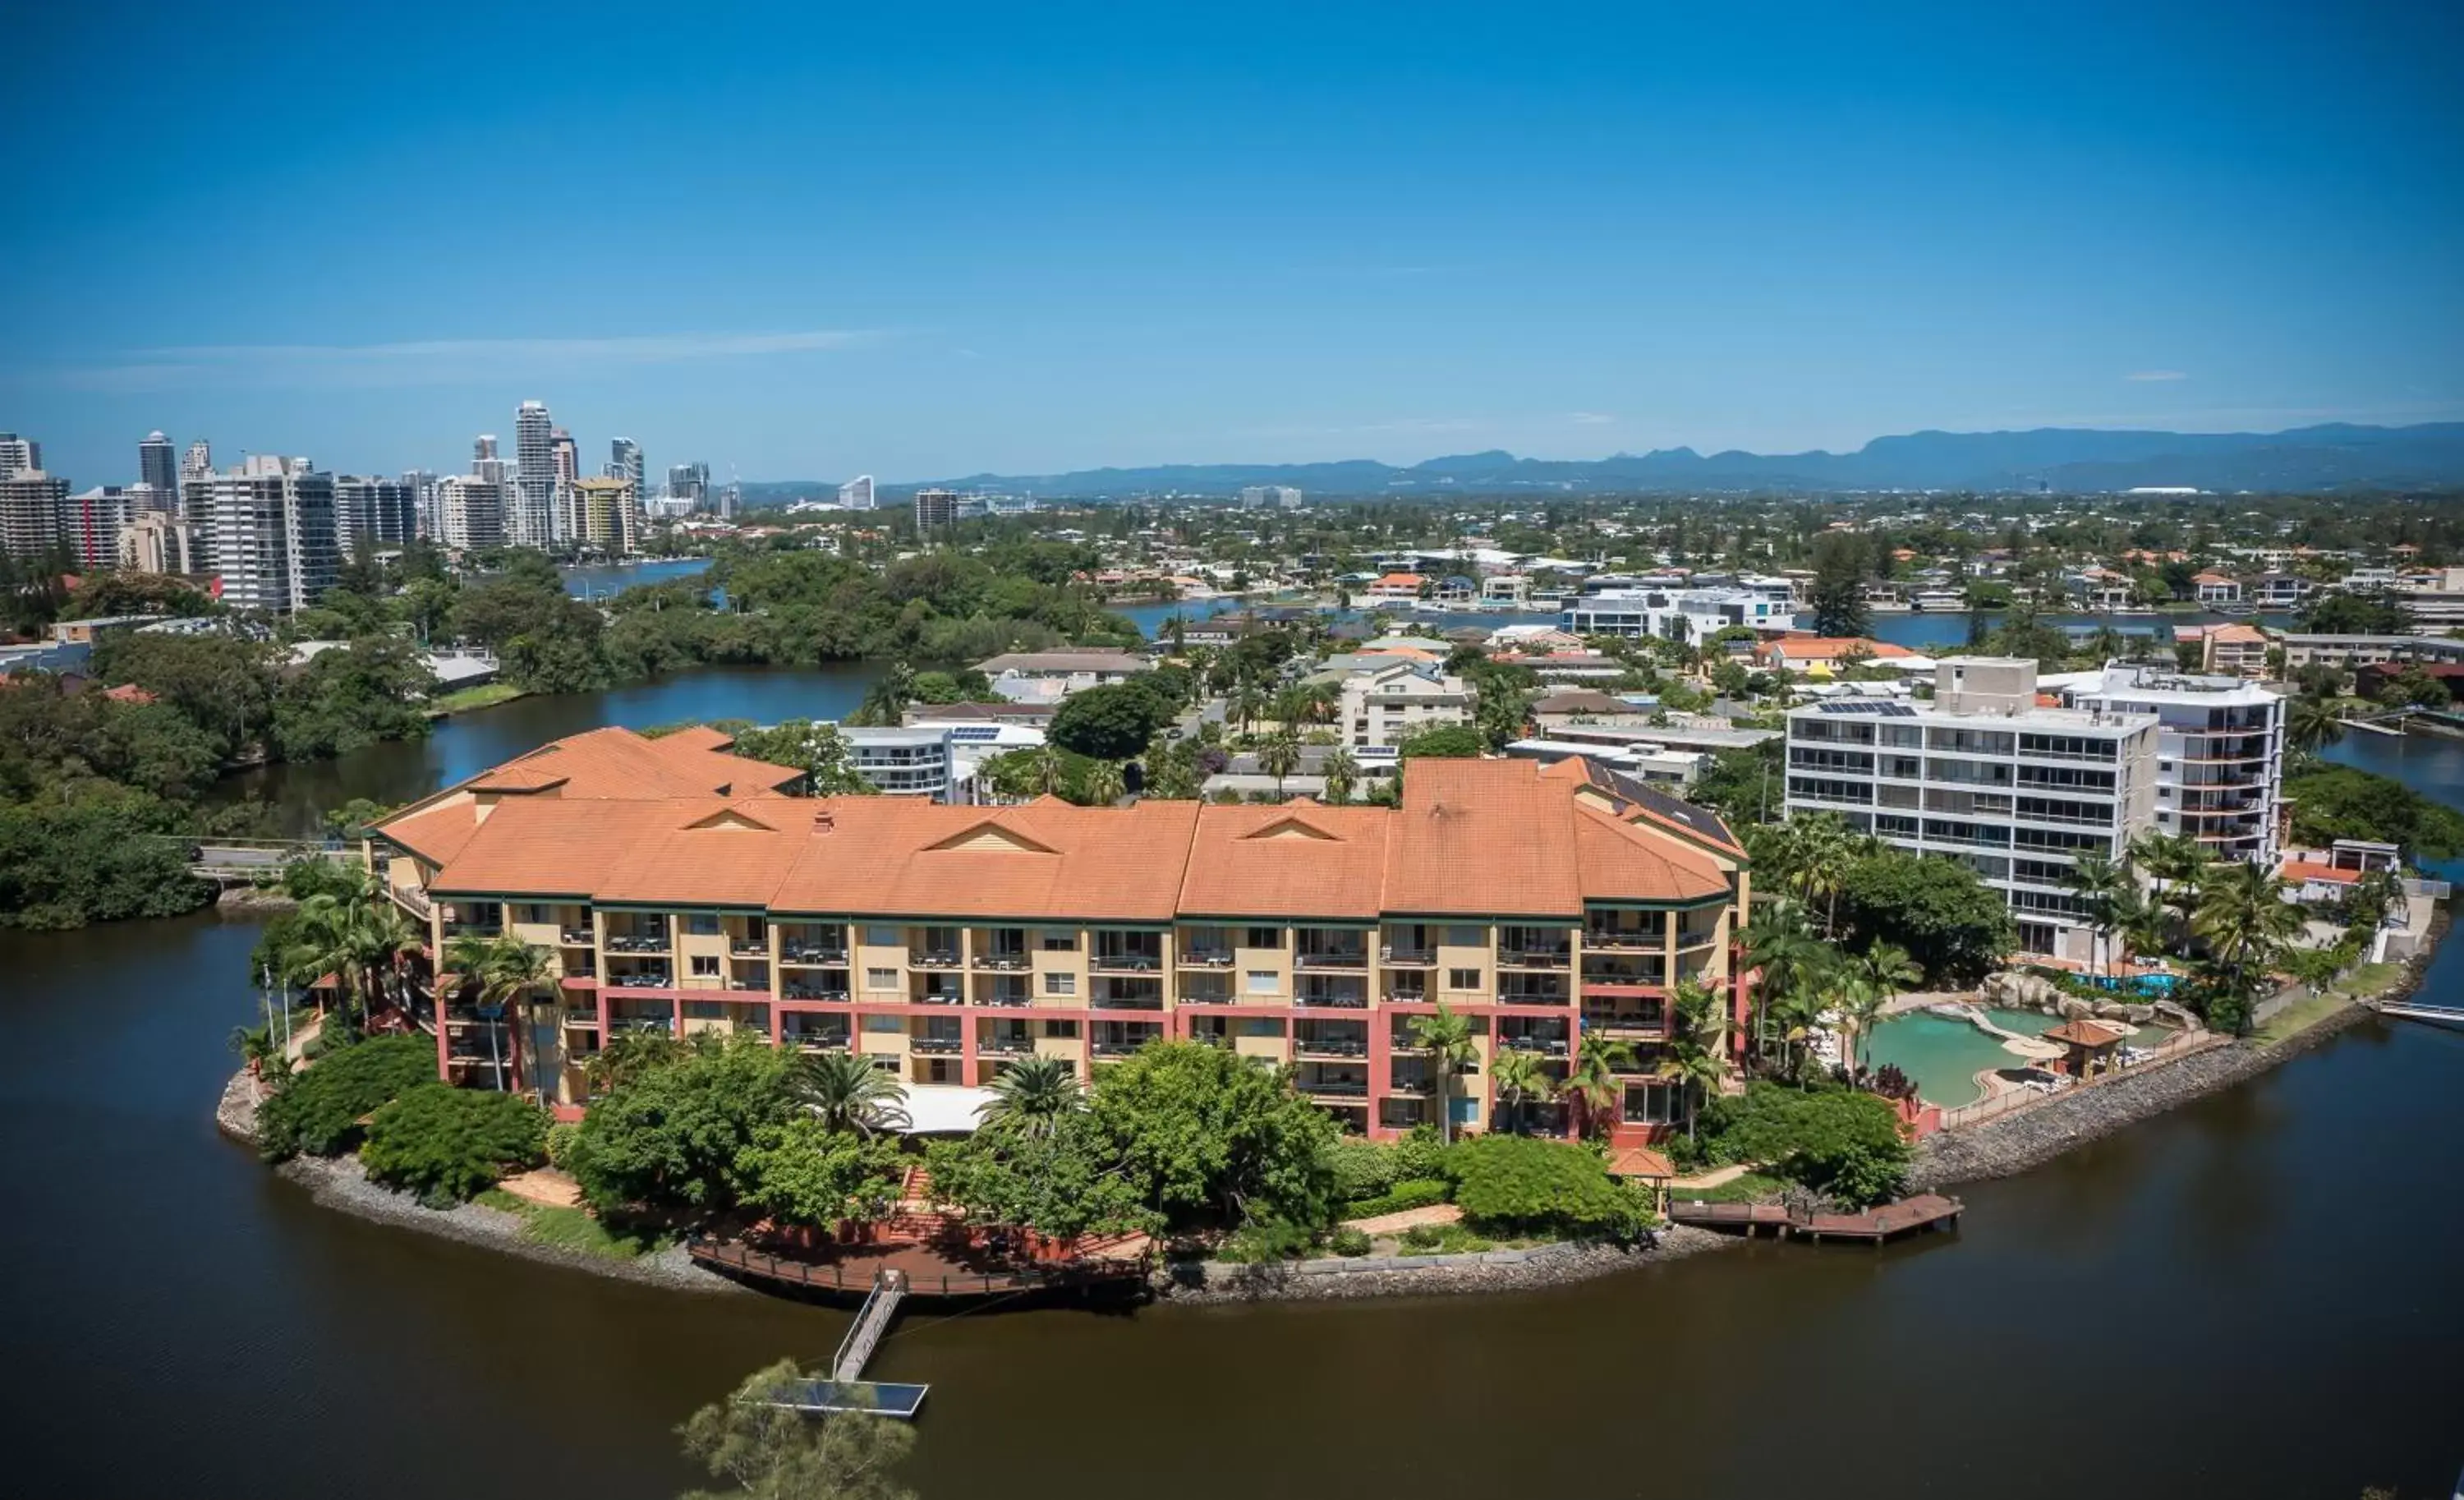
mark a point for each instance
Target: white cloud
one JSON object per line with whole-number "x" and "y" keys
{"x": 2156, "y": 375}
{"x": 1589, "y": 418}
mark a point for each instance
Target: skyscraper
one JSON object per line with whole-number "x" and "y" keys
{"x": 90, "y": 523}
{"x": 688, "y": 482}
{"x": 935, "y": 508}
{"x": 383, "y": 511}
{"x": 605, "y": 515}
{"x": 856, "y": 495}
{"x": 567, "y": 464}
{"x": 272, "y": 521}
{"x": 198, "y": 462}
{"x": 30, "y": 507}
{"x": 156, "y": 464}
{"x": 625, "y": 462}
{"x": 18, "y": 453}
{"x": 421, "y": 485}
{"x": 532, "y": 523}
{"x": 470, "y": 511}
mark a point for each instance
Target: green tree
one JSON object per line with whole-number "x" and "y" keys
{"x": 2101, "y": 885}
{"x": 847, "y": 1093}
{"x": 1441, "y": 741}
{"x": 1953, "y": 924}
{"x": 449, "y": 1144}
{"x": 814, "y": 746}
{"x": 1281, "y": 755}
{"x": 1342, "y": 775}
{"x": 1594, "y": 1080}
{"x": 1447, "y": 1038}
{"x": 1202, "y": 1135}
{"x": 2312, "y": 724}
{"x": 1520, "y": 1078}
{"x": 2246, "y": 922}
{"x": 1838, "y": 593}
{"x": 1872, "y": 981}
{"x": 1032, "y": 1096}
{"x": 317, "y": 1110}
{"x": 671, "y": 1137}
{"x": 1112, "y": 722}
{"x": 799, "y": 1171}
{"x": 1696, "y": 1054}
{"x": 765, "y": 1449}
{"x": 509, "y": 975}
{"x": 1514, "y": 1185}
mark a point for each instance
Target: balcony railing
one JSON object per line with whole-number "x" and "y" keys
{"x": 1001, "y": 962}
{"x": 1407, "y": 958}
{"x": 1341, "y": 1089}
{"x": 1333, "y": 958}
{"x": 815, "y": 1041}
{"x": 933, "y": 958}
{"x": 1330, "y": 1047}
{"x": 1005, "y": 1047}
{"x": 811, "y": 953}
{"x": 1533, "y": 958}
{"x": 1621, "y": 940}
{"x": 937, "y": 1045}
{"x": 575, "y": 937}
{"x": 1207, "y": 958}
{"x": 748, "y": 947}
{"x": 644, "y": 1025}
{"x": 1531, "y": 997}
{"x": 413, "y": 899}
{"x": 1125, "y": 962}
{"x": 1118, "y": 1047}
{"x": 453, "y": 930}
{"x": 1331, "y": 1002}
{"x": 941, "y": 996}
{"x": 1542, "y": 1045}
{"x": 584, "y": 1020}
{"x": 650, "y": 979}
{"x": 637, "y": 942}
{"x": 796, "y": 989}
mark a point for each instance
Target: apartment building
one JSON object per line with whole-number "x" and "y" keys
{"x": 1989, "y": 776}
{"x": 684, "y": 890}
{"x": 1677, "y": 614}
{"x": 1049, "y": 676}
{"x": 2219, "y": 752}
{"x": 1387, "y": 703}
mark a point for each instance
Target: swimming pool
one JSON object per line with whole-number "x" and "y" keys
{"x": 1942, "y": 1053}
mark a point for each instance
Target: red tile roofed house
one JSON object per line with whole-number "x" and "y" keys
{"x": 1822, "y": 656}
{"x": 1398, "y": 585}
{"x": 948, "y": 939}
{"x": 2218, "y": 589}
{"x": 2237, "y": 650}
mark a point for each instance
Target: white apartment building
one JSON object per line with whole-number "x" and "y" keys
{"x": 1387, "y": 704}
{"x": 90, "y": 523}
{"x": 856, "y": 495}
{"x": 901, "y": 762}
{"x": 1270, "y": 497}
{"x": 1986, "y": 776}
{"x": 271, "y": 522}
{"x": 31, "y": 501}
{"x": 1675, "y": 614}
{"x": 2219, "y": 753}
{"x": 383, "y": 511}
{"x": 156, "y": 542}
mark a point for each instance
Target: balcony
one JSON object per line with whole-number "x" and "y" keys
{"x": 1533, "y": 958}
{"x": 1206, "y": 958}
{"x": 1000, "y": 962}
{"x": 804, "y": 989}
{"x": 1330, "y": 999}
{"x": 931, "y": 958}
{"x": 1118, "y": 1046}
{"x": 640, "y": 1025}
{"x": 1517, "y": 995}
{"x": 1007, "y": 997}
{"x": 1395, "y": 958}
{"x": 935, "y": 1045}
{"x": 814, "y": 1040}
{"x": 1005, "y": 1047}
{"x": 748, "y": 947}
{"x": 1347, "y": 1044}
{"x": 1538, "y": 1046}
{"x": 1332, "y": 958}
{"x": 581, "y": 1019}
{"x": 934, "y": 995}
{"x": 575, "y": 937}
{"x": 1334, "y": 1088}
{"x": 1126, "y": 960}
{"x": 643, "y": 979}
{"x": 453, "y": 930}
{"x": 1621, "y": 940}
{"x": 813, "y": 953}
{"x": 637, "y": 942}
{"x": 1698, "y": 939}
{"x": 414, "y": 900}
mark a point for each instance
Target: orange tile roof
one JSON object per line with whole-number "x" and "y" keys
{"x": 2084, "y": 1033}
{"x": 891, "y": 854}
{"x": 2238, "y": 635}
{"x": 1297, "y": 860}
{"x": 1830, "y": 648}
{"x": 1482, "y": 837}
{"x": 1640, "y": 1161}
{"x": 2312, "y": 870}
{"x": 1614, "y": 856}
{"x": 544, "y": 847}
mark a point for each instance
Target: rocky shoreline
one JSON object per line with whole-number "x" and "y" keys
{"x": 339, "y": 1184}
{"x": 1201, "y": 1284}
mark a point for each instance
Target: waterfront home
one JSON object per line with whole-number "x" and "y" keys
{"x": 681, "y": 891}
{"x": 2231, "y": 650}
{"x": 2212, "y": 588}
{"x": 1397, "y": 586}
{"x": 1385, "y": 704}
{"x": 1049, "y": 676}
{"x": 1821, "y": 656}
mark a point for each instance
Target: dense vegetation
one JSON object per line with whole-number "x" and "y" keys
{"x": 449, "y": 1144}
{"x": 317, "y": 1111}
{"x": 2337, "y": 801}
{"x": 1844, "y": 1143}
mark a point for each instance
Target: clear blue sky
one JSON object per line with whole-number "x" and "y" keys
{"x": 929, "y": 240}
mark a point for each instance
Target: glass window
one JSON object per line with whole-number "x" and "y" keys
{"x": 703, "y": 1010}
{"x": 1257, "y": 1027}
{"x": 706, "y": 964}
{"x": 885, "y": 1023}
{"x": 1462, "y": 978}
{"x": 1266, "y": 937}
{"x": 1061, "y": 983}
{"x": 880, "y": 937}
{"x": 1060, "y": 940}
{"x": 1062, "y": 1030}
{"x": 881, "y": 978}
{"x": 1261, "y": 982}
{"x": 702, "y": 925}
{"x": 1467, "y": 937}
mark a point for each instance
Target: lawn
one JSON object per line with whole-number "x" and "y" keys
{"x": 461, "y": 700}
{"x": 2300, "y": 1016}
{"x": 569, "y": 1228}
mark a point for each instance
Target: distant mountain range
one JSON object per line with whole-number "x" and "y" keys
{"x": 2070, "y": 460}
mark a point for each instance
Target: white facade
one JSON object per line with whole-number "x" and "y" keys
{"x": 1386, "y": 705}
{"x": 90, "y": 523}
{"x": 856, "y": 495}
{"x": 271, "y": 523}
{"x": 154, "y": 543}
{"x": 625, "y": 462}
{"x": 1678, "y": 614}
{"x": 2219, "y": 754}
{"x": 469, "y": 512}
{"x": 18, "y": 455}
{"x": 382, "y": 511}
{"x": 1984, "y": 776}
{"x": 532, "y": 521}
{"x": 1279, "y": 497}
{"x": 29, "y": 511}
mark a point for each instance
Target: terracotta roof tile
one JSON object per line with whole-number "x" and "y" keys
{"x": 1300, "y": 860}
{"x": 1481, "y": 838}
{"x": 883, "y": 854}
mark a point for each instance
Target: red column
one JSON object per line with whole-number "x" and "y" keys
{"x": 1382, "y": 1064}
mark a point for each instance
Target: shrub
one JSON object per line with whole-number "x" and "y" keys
{"x": 1515, "y": 1184}
{"x": 1263, "y": 1240}
{"x": 1417, "y": 1193}
{"x": 1423, "y": 1237}
{"x": 317, "y": 1110}
{"x": 1842, "y": 1142}
{"x": 1421, "y": 1154}
{"x": 560, "y": 1144}
{"x": 1351, "y": 1242}
{"x": 450, "y": 1144}
{"x": 1361, "y": 1169}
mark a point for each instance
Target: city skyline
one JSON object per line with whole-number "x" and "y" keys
{"x": 1559, "y": 234}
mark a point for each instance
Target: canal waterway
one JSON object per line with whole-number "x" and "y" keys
{"x": 2254, "y": 1295}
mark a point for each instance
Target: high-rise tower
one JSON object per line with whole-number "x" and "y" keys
{"x": 156, "y": 465}
{"x": 532, "y": 523}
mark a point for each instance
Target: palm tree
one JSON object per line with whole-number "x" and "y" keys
{"x": 847, "y": 1093}
{"x": 1281, "y": 755}
{"x": 2175, "y": 863}
{"x": 1594, "y": 1080}
{"x": 2101, "y": 885}
{"x": 1697, "y": 1050}
{"x": 1342, "y": 775}
{"x": 885, "y": 701}
{"x": 1104, "y": 785}
{"x": 1032, "y": 1096}
{"x": 2247, "y": 922}
{"x": 2312, "y": 723}
{"x": 356, "y": 937}
{"x": 2142, "y": 924}
{"x": 1447, "y": 1038}
{"x": 509, "y": 974}
{"x": 1824, "y": 847}
{"x": 1872, "y": 981}
{"x": 1783, "y": 948}
{"x": 1519, "y": 1077}
{"x": 1246, "y": 704}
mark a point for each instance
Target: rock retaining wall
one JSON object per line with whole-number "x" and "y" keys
{"x": 1423, "y": 1275}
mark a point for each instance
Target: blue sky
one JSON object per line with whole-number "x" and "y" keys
{"x": 927, "y": 241}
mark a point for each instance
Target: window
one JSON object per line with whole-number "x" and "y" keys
{"x": 702, "y": 925}
{"x": 705, "y": 965}
{"x": 1467, "y": 937}
{"x": 1261, "y": 982}
{"x": 1060, "y": 940}
{"x": 704, "y": 1011}
{"x": 881, "y": 978}
{"x": 1462, "y": 978}
{"x": 534, "y": 913}
{"x": 1262, "y": 1029}
{"x": 1061, "y": 1030}
{"x": 878, "y": 936}
{"x": 1266, "y": 937}
{"x": 1061, "y": 983}
{"x": 897, "y": 1024}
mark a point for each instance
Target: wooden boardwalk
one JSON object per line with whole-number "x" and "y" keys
{"x": 1873, "y": 1225}
{"x": 923, "y": 1271}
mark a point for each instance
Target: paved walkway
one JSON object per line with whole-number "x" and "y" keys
{"x": 1717, "y": 1177}
{"x": 546, "y": 1185}
{"x": 1409, "y": 1218}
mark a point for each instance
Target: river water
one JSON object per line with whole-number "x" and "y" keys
{"x": 2253, "y": 1296}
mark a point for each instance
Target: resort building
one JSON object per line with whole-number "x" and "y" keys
{"x": 1386, "y": 703}
{"x": 686, "y": 890}
{"x": 2219, "y": 752}
{"x": 1677, "y": 614}
{"x": 1987, "y": 775}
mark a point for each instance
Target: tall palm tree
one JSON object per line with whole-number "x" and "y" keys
{"x": 2247, "y": 922}
{"x": 1281, "y": 755}
{"x": 2101, "y": 884}
{"x": 1246, "y": 704}
{"x": 1342, "y": 775}
{"x": 2174, "y": 862}
{"x": 1824, "y": 849}
{"x": 1104, "y": 785}
{"x": 509, "y": 975}
{"x": 1447, "y": 1038}
{"x": 1872, "y": 981}
{"x": 885, "y": 701}
{"x": 1032, "y": 1096}
{"x": 847, "y": 1093}
{"x": 1520, "y": 1077}
{"x": 2312, "y": 723}
{"x": 2142, "y": 924}
{"x": 1594, "y": 1079}
{"x": 1782, "y": 947}
{"x": 1696, "y": 1051}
